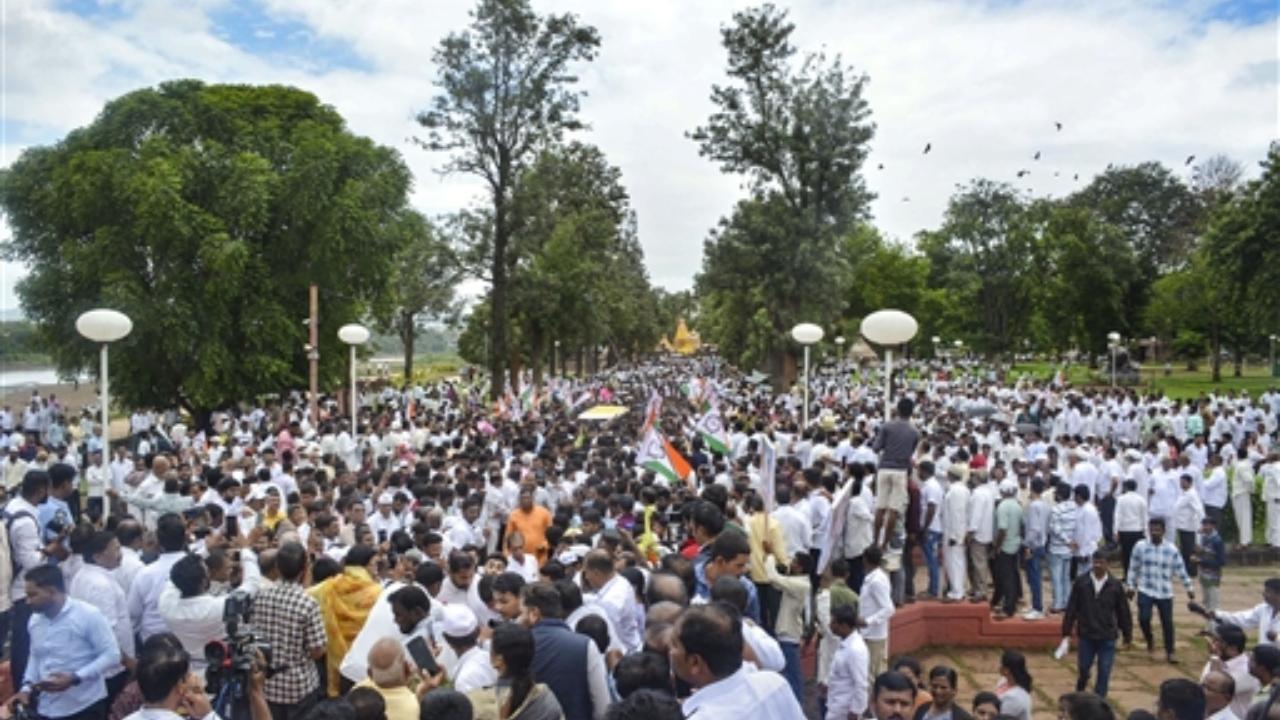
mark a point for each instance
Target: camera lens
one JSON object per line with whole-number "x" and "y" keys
{"x": 215, "y": 653}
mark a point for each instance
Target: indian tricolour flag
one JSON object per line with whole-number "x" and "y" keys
{"x": 658, "y": 455}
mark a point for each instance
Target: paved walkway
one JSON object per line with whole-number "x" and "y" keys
{"x": 1136, "y": 677}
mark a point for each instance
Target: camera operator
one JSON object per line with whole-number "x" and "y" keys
{"x": 71, "y": 648}
{"x": 289, "y": 620}
{"x": 194, "y": 615}
{"x": 167, "y": 685}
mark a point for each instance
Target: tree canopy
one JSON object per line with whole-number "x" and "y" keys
{"x": 204, "y": 212}
{"x": 506, "y": 92}
{"x": 798, "y": 130}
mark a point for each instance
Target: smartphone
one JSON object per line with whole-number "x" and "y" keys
{"x": 382, "y": 536}
{"x": 233, "y": 526}
{"x": 422, "y": 656}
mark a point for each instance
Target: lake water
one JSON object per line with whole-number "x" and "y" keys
{"x": 27, "y": 377}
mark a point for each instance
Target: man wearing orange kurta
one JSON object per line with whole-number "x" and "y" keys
{"x": 532, "y": 522}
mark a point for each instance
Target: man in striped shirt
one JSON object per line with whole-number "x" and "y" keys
{"x": 1151, "y": 571}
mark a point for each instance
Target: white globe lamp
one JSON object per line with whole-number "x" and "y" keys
{"x": 889, "y": 328}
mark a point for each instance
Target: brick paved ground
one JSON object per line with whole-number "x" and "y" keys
{"x": 1135, "y": 677}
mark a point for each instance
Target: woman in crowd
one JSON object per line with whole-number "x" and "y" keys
{"x": 942, "y": 686}
{"x": 1014, "y": 687}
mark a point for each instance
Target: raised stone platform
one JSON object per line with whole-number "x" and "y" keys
{"x": 967, "y": 624}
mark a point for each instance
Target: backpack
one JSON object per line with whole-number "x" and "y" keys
{"x": 14, "y": 568}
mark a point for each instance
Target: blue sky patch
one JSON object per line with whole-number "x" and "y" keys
{"x": 249, "y": 28}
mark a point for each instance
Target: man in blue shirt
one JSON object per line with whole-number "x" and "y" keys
{"x": 71, "y": 647}
{"x": 55, "y": 505}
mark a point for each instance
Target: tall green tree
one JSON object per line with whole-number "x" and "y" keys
{"x": 426, "y": 273}
{"x": 578, "y": 275}
{"x": 204, "y": 212}
{"x": 798, "y": 130}
{"x": 983, "y": 255}
{"x": 1157, "y": 213}
{"x": 1242, "y": 255}
{"x": 1083, "y": 264}
{"x": 506, "y": 90}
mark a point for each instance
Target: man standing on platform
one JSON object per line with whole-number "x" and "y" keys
{"x": 896, "y": 443}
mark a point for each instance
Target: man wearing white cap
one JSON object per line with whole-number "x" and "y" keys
{"x": 14, "y": 467}
{"x": 384, "y": 522}
{"x": 460, "y": 630}
{"x": 1008, "y": 545}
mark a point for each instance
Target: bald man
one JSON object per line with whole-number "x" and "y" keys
{"x": 1219, "y": 689}
{"x": 389, "y": 672}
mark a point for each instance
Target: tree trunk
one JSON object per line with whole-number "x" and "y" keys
{"x": 537, "y": 357}
{"x": 1239, "y": 363}
{"x": 1215, "y": 358}
{"x": 498, "y": 298}
{"x": 407, "y": 336}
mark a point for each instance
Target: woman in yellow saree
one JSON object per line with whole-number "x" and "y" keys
{"x": 345, "y": 600}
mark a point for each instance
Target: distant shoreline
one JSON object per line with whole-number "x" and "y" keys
{"x": 25, "y": 365}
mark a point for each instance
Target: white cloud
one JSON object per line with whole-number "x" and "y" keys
{"x": 983, "y": 82}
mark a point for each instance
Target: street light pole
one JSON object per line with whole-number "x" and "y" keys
{"x": 889, "y": 328}
{"x": 104, "y": 327}
{"x": 353, "y": 335}
{"x": 1113, "y": 339}
{"x": 1273, "y": 355}
{"x": 806, "y": 334}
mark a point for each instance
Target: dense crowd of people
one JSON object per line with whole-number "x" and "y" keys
{"x": 445, "y": 557}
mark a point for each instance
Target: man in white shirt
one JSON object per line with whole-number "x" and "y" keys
{"x": 615, "y": 595}
{"x": 931, "y": 496}
{"x": 1271, "y": 496}
{"x": 150, "y": 489}
{"x": 848, "y": 682}
{"x": 1088, "y": 531}
{"x": 460, "y": 629}
{"x": 875, "y": 608}
{"x": 194, "y": 615}
{"x": 129, "y": 534}
{"x": 97, "y": 477}
{"x": 706, "y": 652}
{"x": 144, "y": 592}
{"x": 93, "y": 584}
{"x": 1265, "y": 616}
{"x": 796, "y": 527}
{"x": 981, "y": 531}
{"x": 955, "y": 528}
{"x": 1228, "y": 656}
{"x": 383, "y": 523}
{"x": 1131, "y": 520}
{"x": 27, "y": 552}
{"x": 1215, "y": 490}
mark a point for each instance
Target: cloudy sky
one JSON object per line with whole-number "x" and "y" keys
{"x": 983, "y": 81}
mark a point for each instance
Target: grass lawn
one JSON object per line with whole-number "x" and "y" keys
{"x": 1180, "y": 384}
{"x": 427, "y": 369}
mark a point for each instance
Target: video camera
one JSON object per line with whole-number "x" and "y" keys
{"x": 232, "y": 660}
